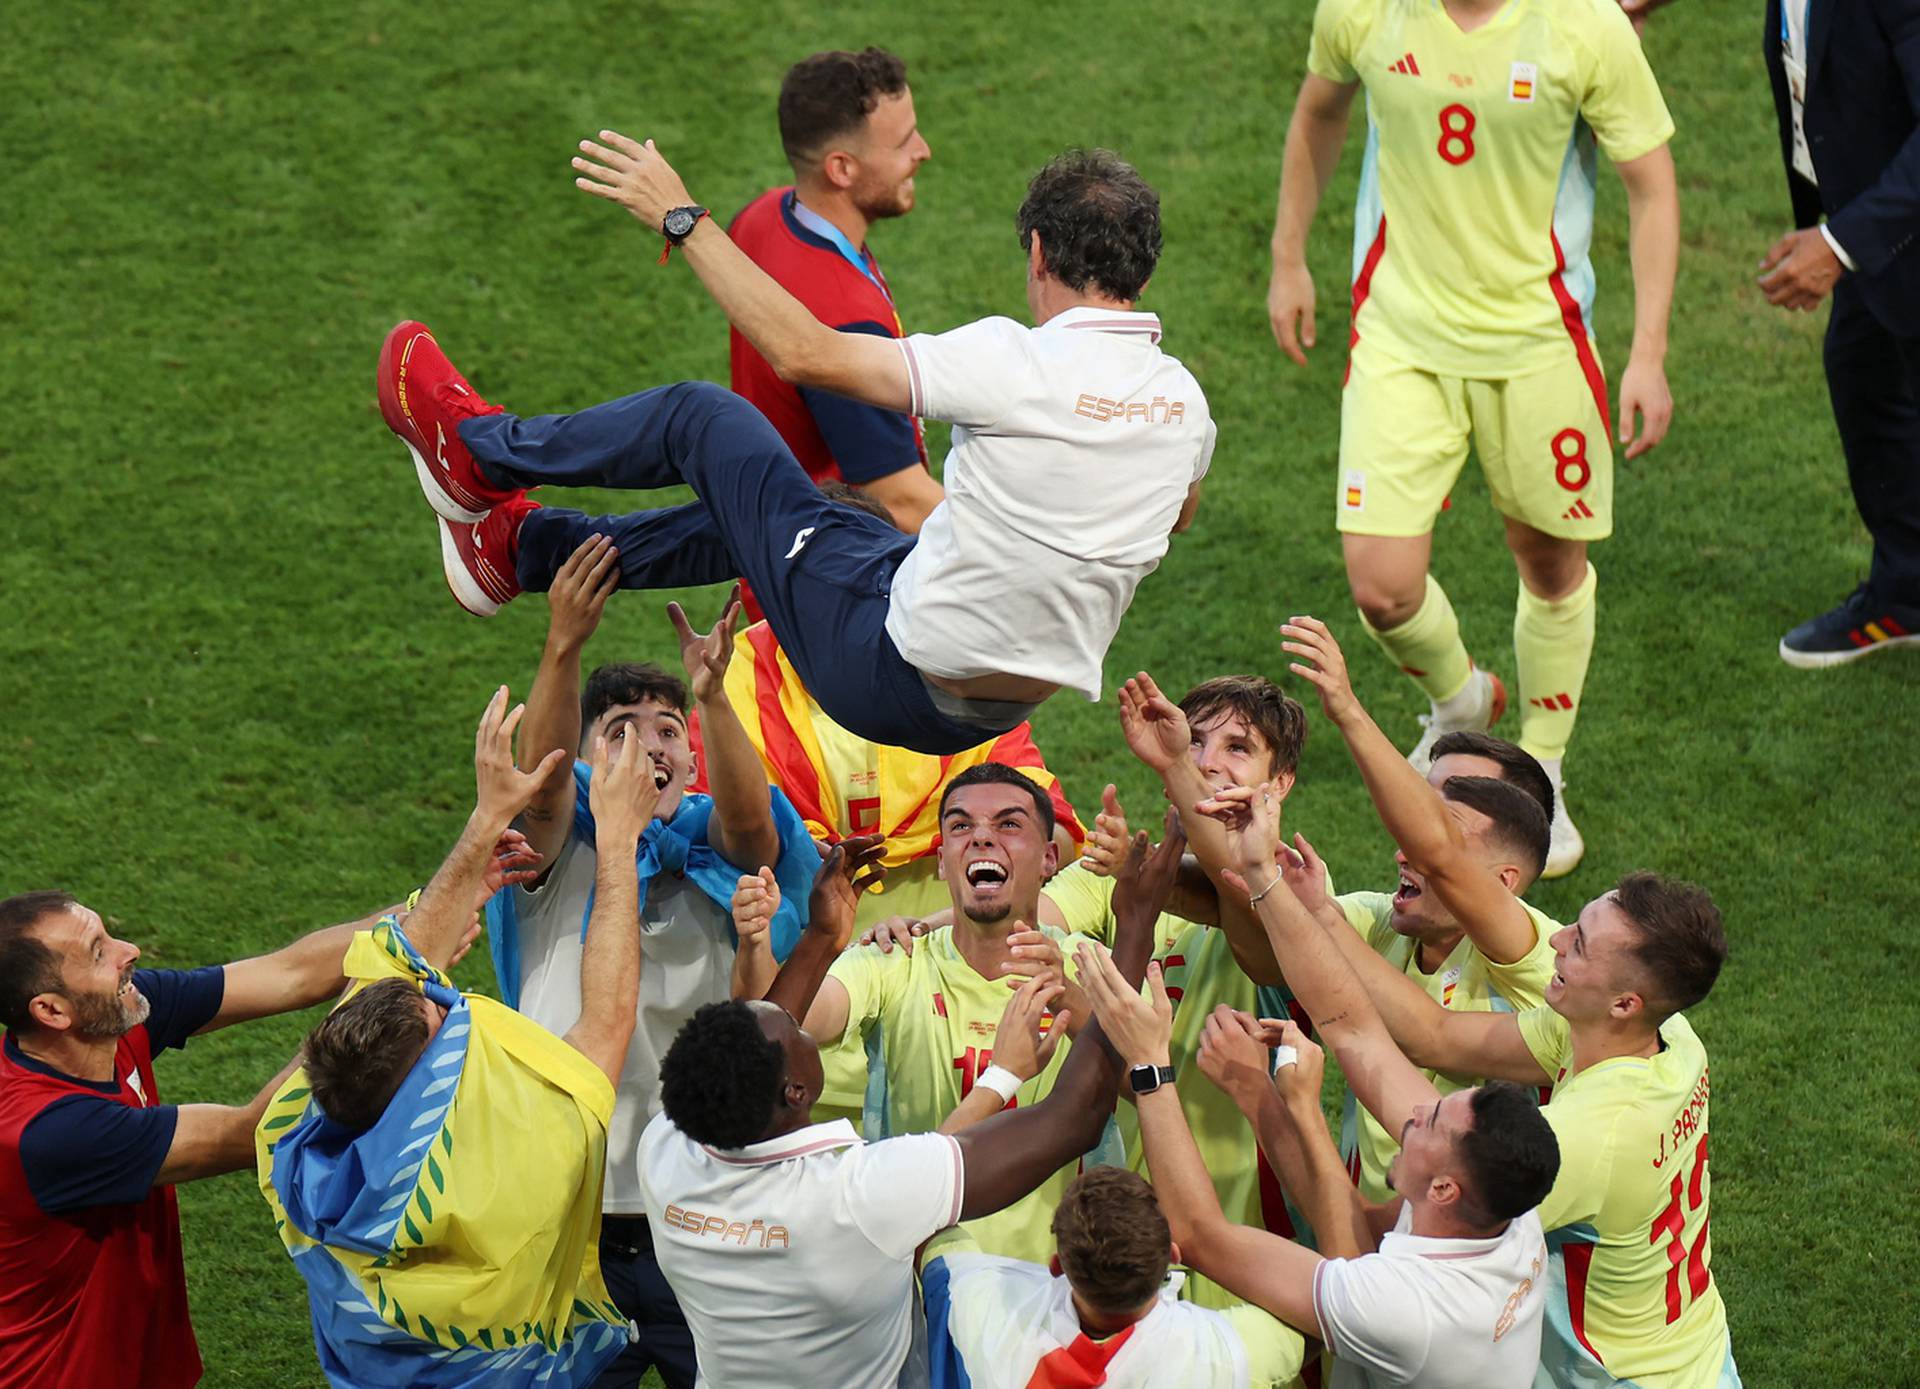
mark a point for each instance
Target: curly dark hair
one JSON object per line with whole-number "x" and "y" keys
{"x": 721, "y": 1078}
{"x": 1098, "y": 221}
{"x": 1510, "y": 1153}
{"x": 1112, "y": 1239}
{"x": 828, "y": 95}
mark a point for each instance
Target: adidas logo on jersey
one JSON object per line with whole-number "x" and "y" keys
{"x": 1407, "y": 66}
{"x": 1579, "y": 511}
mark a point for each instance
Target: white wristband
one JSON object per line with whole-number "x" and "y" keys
{"x": 1284, "y": 1055}
{"x": 1001, "y": 1081}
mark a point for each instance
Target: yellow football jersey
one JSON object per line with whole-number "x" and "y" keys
{"x": 1466, "y": 982}
{"x": 1475, "y": 211}
{"x": 937, "y": 1019}
{"x": 1632, "y": 1297}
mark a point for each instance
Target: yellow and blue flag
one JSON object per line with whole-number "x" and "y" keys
{"x": 454, "y": 1243}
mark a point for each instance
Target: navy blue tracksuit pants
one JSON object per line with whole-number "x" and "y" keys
{"x": 821, "y": 571}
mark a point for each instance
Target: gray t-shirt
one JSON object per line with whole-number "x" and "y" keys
{"x": 686, "y": 960}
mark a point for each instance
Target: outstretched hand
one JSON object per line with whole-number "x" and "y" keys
{"x": 1233, "y": 1055}
{"x": 580, "y": 590}
{"x": 706, "y": 655}
{"x": 1305, "y": 873}
{"x": 1155, "y": 729}
{"x": 632, "y": 174}
{"x": 1321, "y": 664}
{"x": 504, "y": 790}
{"x": 1140, "y": 1028}
{"x": 1106, "y": 847}
{"x": 1252, "y": 820}
{"x": 514, "y": 861}
{"x": 623, "y": 793}
{"x": 1026, "y": 1040}
{"x": 849, "y": 869}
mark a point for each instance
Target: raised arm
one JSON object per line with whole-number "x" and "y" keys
{"x": 1385, "y": 1081}
{"x": 1009, "y": 1155}
{"x": 295, "y": 976}
{"x": 210, "y": 1140}
{"x": 1263, "y": 1268}
{"x": 622, "y": 797}
{"x": 1314, "y": 137}
{"x": 440, "y": 925}
{"x": 1653, "y": 221}
{"x": 849, "y": 869}
{"x": 742, "y": 830}
{"x": 799, "y": 347}
{"x": 756, "y": 897}
{"x": 574, "y": 602}
{"x": 1412, "y": 811}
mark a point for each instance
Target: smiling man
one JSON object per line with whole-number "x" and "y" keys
{"x": 848, "y": 126}
{"x": 938, "y": 1009}
{"x": 92, "y": 1289}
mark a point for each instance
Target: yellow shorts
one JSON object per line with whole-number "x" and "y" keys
{"x": 1542, "y": 439}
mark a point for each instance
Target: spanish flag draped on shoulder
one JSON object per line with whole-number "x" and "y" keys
{"x": 891, "y": 791}
{"x": 454, "y": 1243}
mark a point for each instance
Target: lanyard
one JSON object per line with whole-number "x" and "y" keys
{"x": 1786, "y": 35}
{"x": 821, "y": 227}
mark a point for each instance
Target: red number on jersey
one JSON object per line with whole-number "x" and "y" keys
{"x": 1570, "y": 467}
{"x": 1670, "y": 1223}
{"x": 863, "y": 815}
{"x": 1456, "y": 134}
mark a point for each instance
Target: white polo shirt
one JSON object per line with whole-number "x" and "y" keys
{"x": 1439, "y": 1313}
{"x": 793, "y": 1258}
{"x": 1074, "y": 446}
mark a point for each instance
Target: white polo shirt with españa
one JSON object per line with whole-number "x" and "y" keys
{"x": 793, "y": 1258}
{"x": 1439, "y": 1313}
{"x": 1074, "y": 446}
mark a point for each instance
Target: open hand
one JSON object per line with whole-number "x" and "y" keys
{"x": 1252, "y": 820}
{"x": 849, "y": 869}
{"x": 1106, "y": 847}
{"x": 622, "y": 794}
{"x": 504, "y": 790}
{"x": 706, "y": 655}
{"x": 1024, "y": 1043}
{"x": 1155, "y": 729}
{"x": 1305, "y": 874}
{"x": 1140, "y": 1028}
{"x": 514, "y": 861}
{"x": 1321, "y": 664}
{"x": 580, "y": 591}
{"x": 630, "y": 173}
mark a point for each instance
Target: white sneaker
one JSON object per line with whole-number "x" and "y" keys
{"x": 1478, "y": 707}
{"x": 1566, "y": 848}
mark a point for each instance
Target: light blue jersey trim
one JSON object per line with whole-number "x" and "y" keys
{"x": 1573, "y": 218}
{"x": 1367, "y": 207}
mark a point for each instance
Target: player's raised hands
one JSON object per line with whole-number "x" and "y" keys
{"x": 1251, "y": 816}
{"x": 1139, "y": 1027}
{"x": 1299, "y": 1066}
{"x": 706, "y": 655}
{"x": 1144, "y": 879}
{"x": 504, "y": 789}
{"x": 1155, "y": 729}
{"x": 1233, "y": 1055}
{"x": 1026, "y": 1039}
{"x": 1290, "y": 309}
{"x": 849, "y": 869}
{"x": 1322, "y": 664}
{"x": 514, "y": 861}
{"x": 623, "y": 794}
{"x": 580, "y": 591}
{"x": 1106, "y": 847}
{"x": 1645, "y": 399}
{"x": 631, "y": 173}
{"x": 902, "y": 931}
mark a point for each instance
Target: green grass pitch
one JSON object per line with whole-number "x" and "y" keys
{"x": 239, "y": 703}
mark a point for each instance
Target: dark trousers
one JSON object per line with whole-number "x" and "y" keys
{"x": 640, "y": 1290}
{"x": 1873, "y": 377}
{"x": 822, "y": 572}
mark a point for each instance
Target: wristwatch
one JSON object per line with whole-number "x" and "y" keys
{"x": 679, "y": 223}
{"x": 1148, "y": 1078}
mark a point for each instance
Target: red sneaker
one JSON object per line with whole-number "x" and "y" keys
{"x": 423, "y": 399}
{"x": 479, "y": 559}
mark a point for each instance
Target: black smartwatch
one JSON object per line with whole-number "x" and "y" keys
{"x": 678, "y": 224}
{"x": 1146, "y": 1079}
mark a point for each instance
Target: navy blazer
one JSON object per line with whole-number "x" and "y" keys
{"x": 1862, "y": 122}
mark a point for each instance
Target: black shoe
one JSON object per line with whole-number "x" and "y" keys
{"x": 1858, "y": 627}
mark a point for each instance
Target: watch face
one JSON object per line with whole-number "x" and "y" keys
{"x": 1144, "y": 1079}
{"x": 679, "y": 222}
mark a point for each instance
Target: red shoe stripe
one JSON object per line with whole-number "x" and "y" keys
{"x": 1893, "y": 628}
{"x": 1859, "y": 638}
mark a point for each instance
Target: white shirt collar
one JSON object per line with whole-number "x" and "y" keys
{"x": 1433, "y": 1246}
{"x": 815, "y": 1138}
{"x": 1107, "y": 321}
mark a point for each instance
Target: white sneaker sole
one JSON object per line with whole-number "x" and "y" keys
{"x": 1820, "y": 660}
{"x": 466, "y": 589}
{"x": 437, "y": 496}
